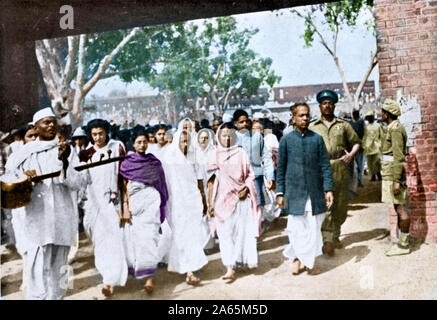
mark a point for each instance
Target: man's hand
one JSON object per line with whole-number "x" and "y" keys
{"x": 242, "y": 194}
{"x": 271, "y": 185}
{"x": 30, "y": 173}
{"x": 347, "y": 158}
{"x": 280, "y": 201}
{"x": 63, "y": 150}
{"x": 396, "y": 188}
{"x": 329, "y": 199}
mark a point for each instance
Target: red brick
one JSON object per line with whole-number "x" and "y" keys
{"x": 389, "y": 24}
{"x": 429, "y": 11}
{"x": 413, "y": 36}
{"x": 413, "y": 66}
{"x": 411, "y": 21}
{"x": 423, "y": 36}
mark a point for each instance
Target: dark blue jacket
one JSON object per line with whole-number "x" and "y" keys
{"x": 303, "y": 169}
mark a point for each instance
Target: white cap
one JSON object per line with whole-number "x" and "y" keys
{"x": 43, "y": 113}
{"x": 227, "y": 117}
{"x": 153, "y": 122}
{"x": 78, "y": 133}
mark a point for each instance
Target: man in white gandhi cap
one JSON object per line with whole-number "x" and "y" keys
{"x": 51, "y": 219}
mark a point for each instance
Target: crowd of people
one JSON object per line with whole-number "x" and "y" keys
{"x": 161, "y": 196}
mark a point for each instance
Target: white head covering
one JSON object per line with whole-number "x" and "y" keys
{"x": 211, "y": 139}
{"x": 227, "y": 117}
{"x": 258, "y": 115}
{"x": 79, "y": 132}
{"x": 43, "y": 113}
{"x": 202, "y": 155}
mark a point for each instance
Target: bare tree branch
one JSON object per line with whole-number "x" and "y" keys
{"x": 44, "y": 61}
{"x": 73, "y": 42}
{"x": 107, "y": 60}
{"x": 53, "y": 50}
{"x": 78, "y": 96}
{"x": 111, "y": 74}
{"x": 373, "y": 63}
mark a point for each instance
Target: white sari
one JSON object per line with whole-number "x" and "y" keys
{"x": 142, "y": 236}
{"x": 184, "y": 209}
{"x": 201, "y": 160}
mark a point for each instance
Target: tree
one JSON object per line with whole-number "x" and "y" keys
{"x": 72, "y": 66}
{"x": 338, "y": 15}
{"x": 217, "y": 64}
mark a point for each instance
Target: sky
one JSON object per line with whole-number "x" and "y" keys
{"x": 279, "y": 38}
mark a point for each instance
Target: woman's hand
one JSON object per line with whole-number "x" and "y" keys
{"x": 211, "y": 211}
{"x": 243, "y": 193}
{"x": 125, "y": 215}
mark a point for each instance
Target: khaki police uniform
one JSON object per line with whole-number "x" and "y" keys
{"x": 338, "y": 137}
{"x": 372, "y": 141}
{"x": 394, "y": 150}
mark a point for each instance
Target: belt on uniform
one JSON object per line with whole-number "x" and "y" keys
{"x": 337, "y": 154}
{"x": 387, "y": 158}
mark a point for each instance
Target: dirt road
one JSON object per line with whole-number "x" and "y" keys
{"x": 359, "y": 271}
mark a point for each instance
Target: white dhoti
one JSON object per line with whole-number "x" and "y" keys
{"x": 47, "y": 272}
{"x": 305, "y": 236}
{"x": 237, "y": 237}
{"x": 102, "y": 225}
{"x": 142, "y": 236}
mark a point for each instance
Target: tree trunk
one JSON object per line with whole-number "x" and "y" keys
{"x": 373, "y": 63}
{"x": 168, "y": 112}
{"x": 215, "y": 101}
{"x": 76, "y": 112}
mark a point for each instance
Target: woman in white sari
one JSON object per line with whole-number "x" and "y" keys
{"x": 185, "y": 207}
{"x": 205, "y": 145}
{"x": 237, "y": 216}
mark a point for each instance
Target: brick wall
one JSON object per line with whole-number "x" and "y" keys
{"x": 407, "y": 44}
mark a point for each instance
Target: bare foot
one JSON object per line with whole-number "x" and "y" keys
{"x": 295, "y": 267}
{"x": 107, "y": 290}
{"x": 149, "y": 285}
{"x": 229, "y": 275}
{"x": 192, "y": 279}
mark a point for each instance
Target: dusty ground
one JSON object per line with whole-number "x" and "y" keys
{"x": 359, "y": 271}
